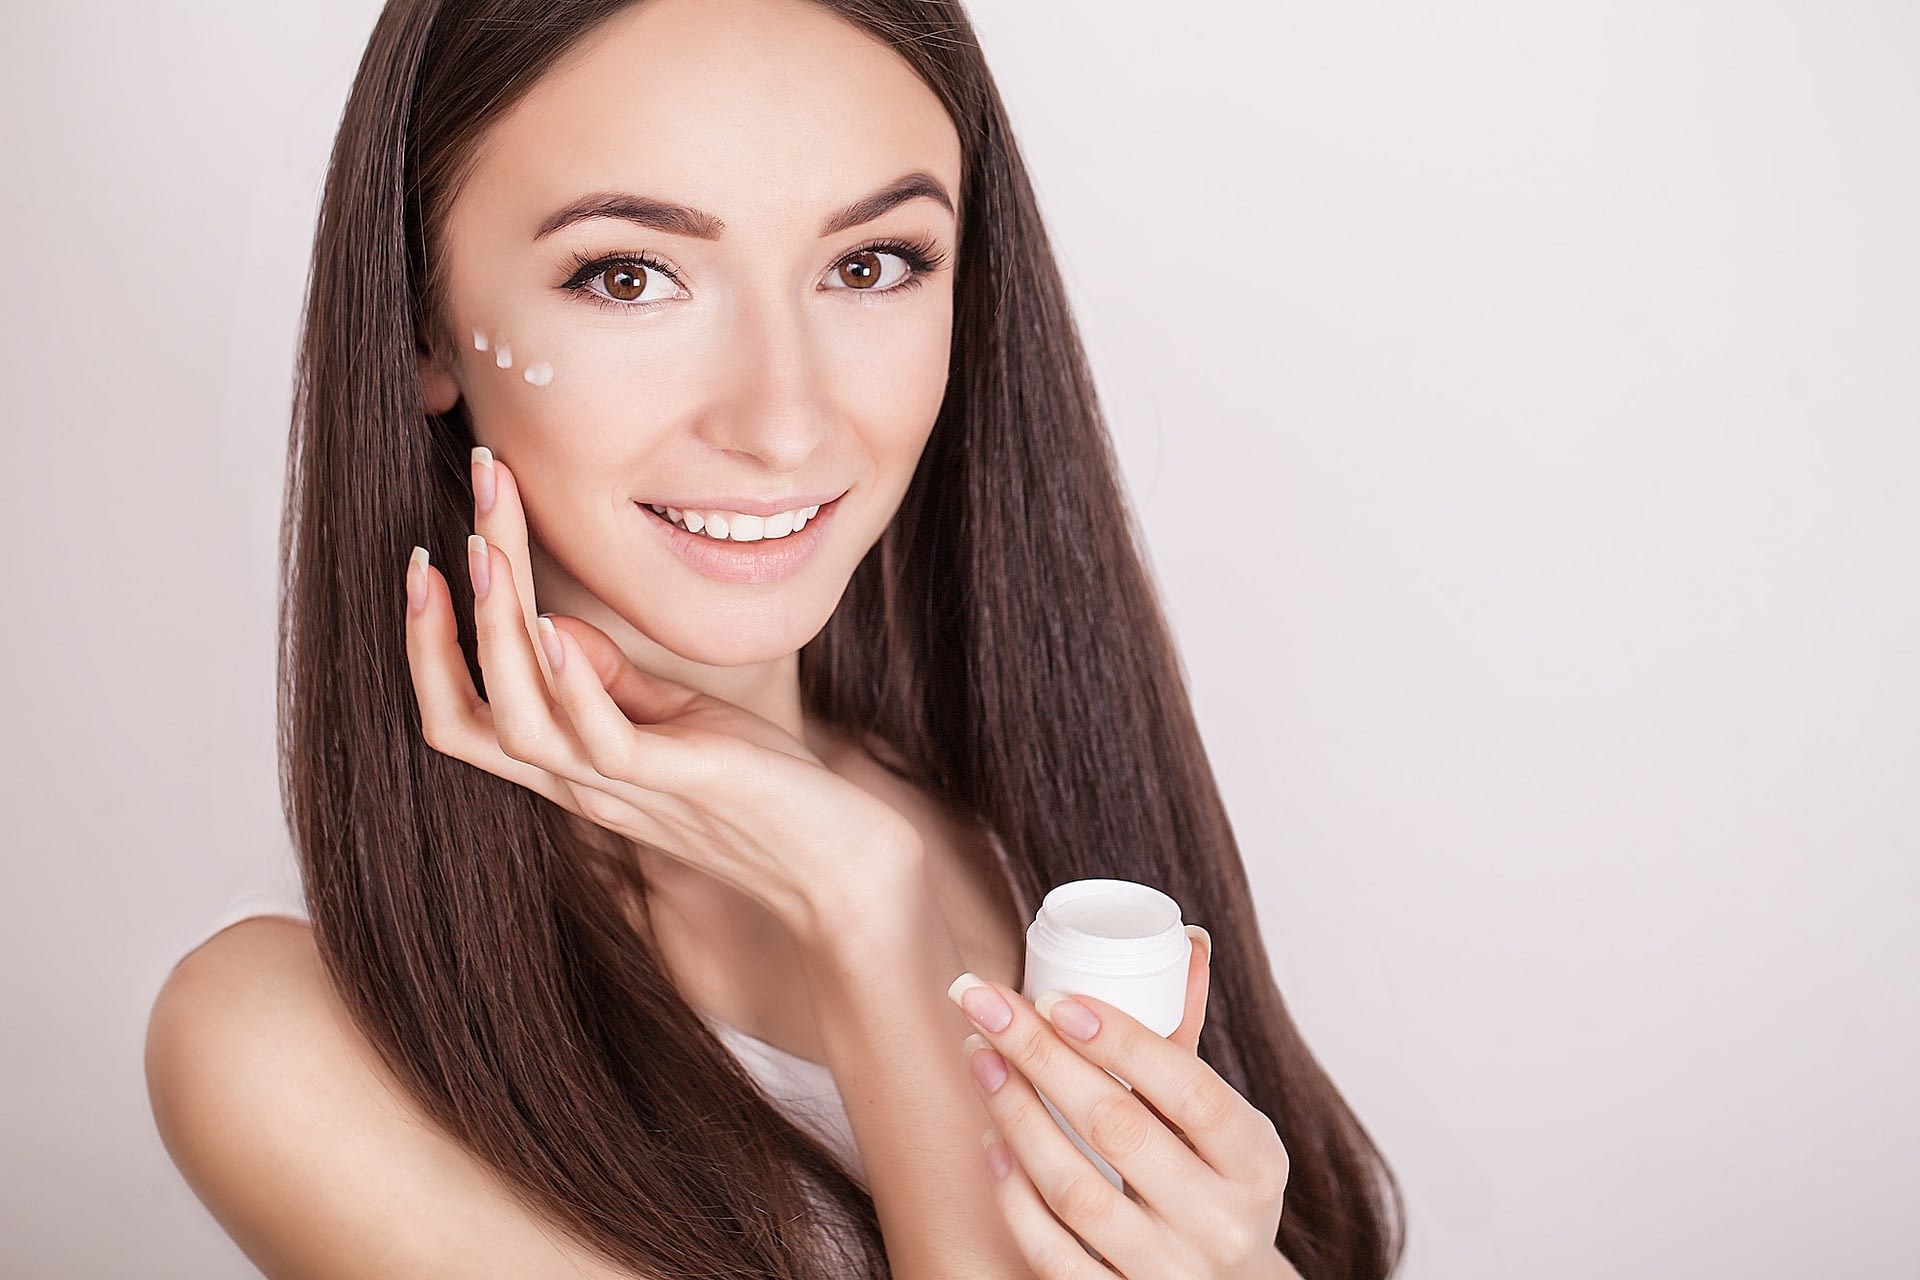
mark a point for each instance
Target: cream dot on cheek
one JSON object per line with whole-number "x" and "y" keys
{"x": 539, "y": 373}
{"x": 479, "y": 340}
{"x": 503, "y": 356}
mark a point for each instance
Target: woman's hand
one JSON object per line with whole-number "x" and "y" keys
{"x": 696, "y": 777}
{"x": 1205, "y": 1170}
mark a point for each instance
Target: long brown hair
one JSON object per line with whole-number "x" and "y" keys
{"x": 1003, "y": 636}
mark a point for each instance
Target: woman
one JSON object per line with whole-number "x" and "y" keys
{"x": 601, "y": 291}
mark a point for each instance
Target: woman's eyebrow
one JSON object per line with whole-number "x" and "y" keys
{"x": 916, "y": 185}
{"x": 680, "y": 220}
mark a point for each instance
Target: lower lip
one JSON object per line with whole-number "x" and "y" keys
{"x": 767, "y": 560}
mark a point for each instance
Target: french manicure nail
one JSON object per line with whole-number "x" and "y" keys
{"x": 417, "y": 580}
{"x": 999, "y": 1160}
{"x": 477, "y": 567}
{"x": 550, "y": 641}
{"x": 484, "y": 489}
{"x": 980, "y": 1002}
{"x": 989, "y": 1070}
{"x": 1070, "y": 1016}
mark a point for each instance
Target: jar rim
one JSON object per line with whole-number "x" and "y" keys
{"x": 1144, "y": 930}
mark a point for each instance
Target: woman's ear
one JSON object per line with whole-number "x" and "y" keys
{"x": 438, "y": 391}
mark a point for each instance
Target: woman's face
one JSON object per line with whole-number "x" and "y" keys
{"x": 770, "y": 346}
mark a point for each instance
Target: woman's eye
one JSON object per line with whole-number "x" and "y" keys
{"x": 626, "y": 283}
{"x": 864, "y": 270}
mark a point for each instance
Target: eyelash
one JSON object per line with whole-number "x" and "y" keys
{"x": 922, "y": 257}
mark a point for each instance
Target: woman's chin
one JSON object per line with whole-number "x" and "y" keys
{"x": 738, "y": 638}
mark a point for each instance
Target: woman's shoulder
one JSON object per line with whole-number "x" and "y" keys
{"x": 308, "y": 1152}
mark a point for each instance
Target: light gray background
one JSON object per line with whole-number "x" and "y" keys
{"x": 1521, "y": 405}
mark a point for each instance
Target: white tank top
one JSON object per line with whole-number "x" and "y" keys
{"x": 805, "y": 1090}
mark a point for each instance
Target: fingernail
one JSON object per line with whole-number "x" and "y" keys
{"x": 550, "y": 641}
{"x": 417, "y": 580}
{"x": 999, "y": 1159}
{"x": 477, "y": 567}
{"x": 1072, "y": 1017}
{"x": 980, "y": 1002}
{"x": 988, "y": 1067}
{"x": 483, "y": 484}
{"x": 1206, "y": 940}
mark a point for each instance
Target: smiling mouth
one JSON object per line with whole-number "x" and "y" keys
{"x": 758, "y": 529}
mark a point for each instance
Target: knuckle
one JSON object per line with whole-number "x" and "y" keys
{"x": 1206, "y": 1103}
{"x": 1058, "y": 1260}
{"x": 1086, "y": 1200}
{"x": 516, "y": 739}
{"x": 1118, "y": 1126}
{"x": 1271, "y": 1180}
{"x": 1030, "y": 1048}
{"x": 450, "y": 741}
{"x": 609, "y": 759}
{"x": 1267, "y": 1185}
{"x": 1212, "y": 1230}
{"x": 1231, "y": 1245}
{"x": 597, "y": 805}
{"x": 1028, "y": 1120}
{"x": 1029, "y": 1127}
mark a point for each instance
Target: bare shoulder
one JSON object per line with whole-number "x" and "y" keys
{"x": 299, "y": 1141}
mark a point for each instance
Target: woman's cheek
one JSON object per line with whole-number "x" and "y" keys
{"x": 891, "y": 359}
{"x": 582, "y": 385}
{"x": 500, "y": 351}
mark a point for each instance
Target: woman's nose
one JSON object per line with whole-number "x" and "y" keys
{"x": 775, "y": 403}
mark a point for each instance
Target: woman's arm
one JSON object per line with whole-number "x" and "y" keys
{"x": 878, "y": 962}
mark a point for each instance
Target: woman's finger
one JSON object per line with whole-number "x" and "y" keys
{"x": 1187, "y": 1034}
{"x": 642, "y": 697}
{"x": 1048, "y": 1246}
{"x": 1225, "y": 1130}
{"x": 615, "y": 747}
{"x": 623, "y": 761}
{"x": 1199, "y": 980}
{"x": 524, "y": 716}
{"x": 1073, "y": 1190}
{"x": 1099, "y": 1107}
{"x": 499, "y": 518}
{"x": 454, "y": 719}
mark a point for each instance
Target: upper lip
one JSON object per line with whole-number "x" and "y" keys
{"x": 746, "y": 506}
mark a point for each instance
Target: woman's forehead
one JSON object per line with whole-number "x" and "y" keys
{"x": 762, "y": 111}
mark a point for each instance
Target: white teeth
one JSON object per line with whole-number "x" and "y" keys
{"x": 733, "y": 526}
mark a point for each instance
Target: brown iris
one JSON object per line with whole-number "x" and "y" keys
{"x": 627, "y": 280}
{"x": 861, "y": 270}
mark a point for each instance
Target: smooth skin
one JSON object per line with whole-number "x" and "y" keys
{"x": 803, "y": 891}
